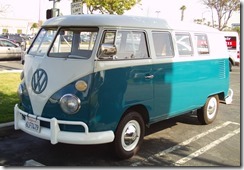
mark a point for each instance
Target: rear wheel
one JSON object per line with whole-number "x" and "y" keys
{"x": 208, "y": 112}
{"x": 129, "y": 135}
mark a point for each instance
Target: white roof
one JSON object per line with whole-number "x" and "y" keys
{"x": 107, "y": 20}
{"x": 98, "y": 20}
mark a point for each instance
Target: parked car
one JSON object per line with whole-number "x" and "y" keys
{"x": 16, "y": 39}
{"x": 10, "y": 50}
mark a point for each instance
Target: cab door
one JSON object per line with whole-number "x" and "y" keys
{"x": 127, "y": 72}
{"x": 163, "y": 71}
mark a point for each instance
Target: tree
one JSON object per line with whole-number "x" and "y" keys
{"x": 183, "y": 8}
{"x": 4, "y": 9}
{"x": 224, "y": 10}
{"x": 92, "y": 5}
{"x": 110, "y": 6}
{"x": 33, "y": 27}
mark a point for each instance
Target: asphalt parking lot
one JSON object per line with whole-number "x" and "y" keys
{"x": 10, "y": 65}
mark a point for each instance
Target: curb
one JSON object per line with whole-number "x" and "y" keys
{"x": 32, "y": 163}
{"x": 2, "y": 125}
{"x": 11, "y": 71}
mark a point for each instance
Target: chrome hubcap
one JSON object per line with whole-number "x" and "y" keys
{"x": 130, "y": 135}
{"x": 212, "y": 107}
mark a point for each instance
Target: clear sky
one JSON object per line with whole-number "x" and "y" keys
{"x": 36, "y": 9}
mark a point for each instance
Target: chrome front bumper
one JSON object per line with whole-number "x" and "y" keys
{"x": 55, "y": 135}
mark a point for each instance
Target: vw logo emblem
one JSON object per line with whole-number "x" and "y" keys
{"x": 39, "y": 81}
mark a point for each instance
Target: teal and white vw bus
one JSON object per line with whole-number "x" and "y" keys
{"x": 94, "y": 79}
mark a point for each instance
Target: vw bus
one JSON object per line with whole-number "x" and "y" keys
{"x": 94, "y": 79}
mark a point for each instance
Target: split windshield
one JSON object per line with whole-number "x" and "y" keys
{"x": 68, "y": 43}
{"x": 43, "y": 41}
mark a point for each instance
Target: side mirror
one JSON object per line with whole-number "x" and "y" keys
{"x": 107, "y": 51}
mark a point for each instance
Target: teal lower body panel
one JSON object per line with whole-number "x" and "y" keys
{"x": 184, "y": 86}
{"x": 175, "y": 88}
{"x": 172, "y": 89}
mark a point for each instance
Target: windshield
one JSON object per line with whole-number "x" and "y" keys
{"x": 43, "y": 41}
{"x": 74, "y": 43}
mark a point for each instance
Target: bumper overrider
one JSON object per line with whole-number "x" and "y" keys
{"x": 55, "y": 135}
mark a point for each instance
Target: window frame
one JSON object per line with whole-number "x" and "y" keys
{"x": 171, "y": 44}
{"x": 190, "y": 45}
{"x": 116, "y": 31}
{"x": 206, "y": 36}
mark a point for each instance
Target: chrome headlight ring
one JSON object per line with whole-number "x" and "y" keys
{"x": 70, "y": 103}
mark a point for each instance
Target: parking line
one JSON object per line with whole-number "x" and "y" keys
{"x": 186, "y": 142}
{"x": 206, "y": 148}
{"x": 32, "y": 162}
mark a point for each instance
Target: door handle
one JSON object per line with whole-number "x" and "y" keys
{"x": 149, "y": 76}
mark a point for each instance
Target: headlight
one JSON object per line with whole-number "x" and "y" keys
{"x": 70, "y": 104}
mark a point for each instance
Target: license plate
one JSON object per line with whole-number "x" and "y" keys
{"x": 32, "y": 124}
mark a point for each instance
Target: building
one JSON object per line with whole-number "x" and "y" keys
{"x": 16, "y": 26}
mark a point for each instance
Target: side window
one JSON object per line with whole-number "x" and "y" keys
{"x": 131, "y": 45}
{"x": 162, "y": 44}
{"x": 202, "y": 43}
{"x": 7, "y": 44}
{"x": 109, "y": 37}
{"x": 184, "y": 45}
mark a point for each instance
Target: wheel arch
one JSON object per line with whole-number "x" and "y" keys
{"x": 232, "y": 61}
{"x": 221, "y": 95}
{"x": 141, "y": 109}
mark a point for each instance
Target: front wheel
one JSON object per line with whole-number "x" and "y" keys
{"x": 129, "y": 135}
{"x": 208, "y": 112}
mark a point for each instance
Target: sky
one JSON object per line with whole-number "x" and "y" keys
{"x": 168, "y": 9}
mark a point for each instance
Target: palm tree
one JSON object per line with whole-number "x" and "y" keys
{"x": 33, "y": 27}
{"x": 183, "y": 8}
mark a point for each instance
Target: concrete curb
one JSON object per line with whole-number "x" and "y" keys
{"x": 32, "y": 163}
{"x": 10, "y": 71}
{"x": 2, "y": 125}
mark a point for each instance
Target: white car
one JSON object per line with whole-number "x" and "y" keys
{"x": 9, "y": 50}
